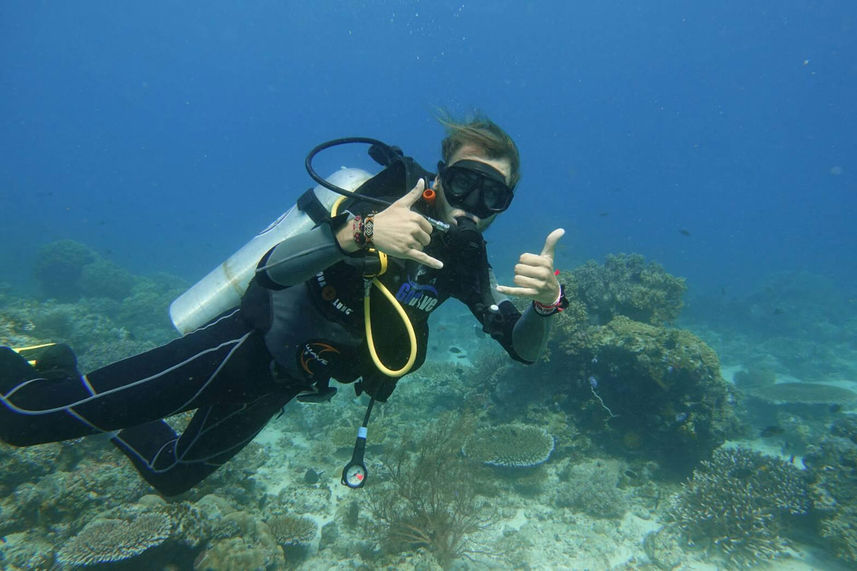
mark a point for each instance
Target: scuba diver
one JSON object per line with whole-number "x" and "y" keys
{"x": 348, "y": 299}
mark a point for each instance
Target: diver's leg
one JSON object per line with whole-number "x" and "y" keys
{"x": 224, "y": 359}
{"x": 173, "y": 464}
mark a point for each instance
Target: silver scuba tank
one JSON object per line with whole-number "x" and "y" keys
{"x": 223, "y": 287}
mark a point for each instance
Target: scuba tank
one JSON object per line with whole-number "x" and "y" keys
{"x": 223, "y": 287}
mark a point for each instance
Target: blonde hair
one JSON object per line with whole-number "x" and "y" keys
{"x": 481, "y": 132}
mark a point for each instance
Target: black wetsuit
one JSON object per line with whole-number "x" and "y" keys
{"x": 289, "y": 337}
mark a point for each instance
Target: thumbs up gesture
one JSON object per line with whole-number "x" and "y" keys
{"x": 534, "y": 273}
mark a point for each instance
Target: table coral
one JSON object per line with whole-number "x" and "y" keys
{"x": 510, "y": 446}
{"x": 110, "y": 540}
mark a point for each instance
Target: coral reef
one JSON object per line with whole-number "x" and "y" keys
{"x": 510, "y": 446}
{"x": 643, "y": 388}
{"x": 110, "y": 540}
{"x": 592, "y": 487}
{"x": 98, "y": 329}
{"x": 26, "y": 464}
{"x": 67, "y": 271}
{"x": 663, "y": 547}
{"x": 625, "y": 380}
{"x": 427, "y": 498}
{"x": 796, "y": 322}
{"x": 91, "y": 482}
{"x": 240, "y": 541}
{"x": 103, "y": 279}
{"x": 617, "y": 384}
{"x": 741, "y": 505}
{"x": 832, "y": 465}
{"x": 626, "y": 285}
{"x": 804, "y": 393}
{"x": 59, "y": 267}
{"x": 77, "y": 485}
{"x": 755, "y": 376}
{"x": 292, "y": 530}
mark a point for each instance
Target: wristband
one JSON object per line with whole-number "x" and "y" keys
{"x": 363, "y": 229}
{"x": 546, "y": 310}
{"x": 369, "y": 229}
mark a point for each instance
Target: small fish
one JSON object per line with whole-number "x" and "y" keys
{"x": 454, "y": 349}
{"x": 603, "y": 214}
{"x": 834, "y": 408}
{"x": 778, "y": 311}
{"x": 772, "y": 430}
{"x": 311, "y": 476}
{"x": 461, "y": 357}
{"x": 684, "y": 232}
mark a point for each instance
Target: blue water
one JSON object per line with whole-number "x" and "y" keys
{"x": 718, "y": 139}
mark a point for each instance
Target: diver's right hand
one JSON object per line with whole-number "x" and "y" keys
{"x": 402, "y": 233}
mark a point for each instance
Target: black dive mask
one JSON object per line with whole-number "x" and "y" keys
{"x": 475, "y": 187}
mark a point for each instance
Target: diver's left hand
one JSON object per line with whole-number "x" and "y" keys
{"x": 534, "y": 273}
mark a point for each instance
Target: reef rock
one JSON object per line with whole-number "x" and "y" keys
{"x": 643, "y": 389}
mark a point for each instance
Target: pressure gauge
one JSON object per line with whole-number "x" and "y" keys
{"x": 354, "y": 475}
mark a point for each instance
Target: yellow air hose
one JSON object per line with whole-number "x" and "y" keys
{"x": 367, "y": 320}
{"x": 412, "y": 337}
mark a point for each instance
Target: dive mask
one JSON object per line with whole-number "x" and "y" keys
{"x": 475, "y": 187}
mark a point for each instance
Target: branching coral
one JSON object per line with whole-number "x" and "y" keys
{"x": 740, "y": 504}
{"x": 292, "y": 530}
{"x": 429, "y": 499}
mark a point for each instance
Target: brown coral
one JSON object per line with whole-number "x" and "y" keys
{"x": 626, "y": 285}
{"x": 430, "y": 499}
{"x": 663, "y": 385}
{"x": 292, "y": 530}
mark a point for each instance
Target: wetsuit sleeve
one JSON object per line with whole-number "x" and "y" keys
{"x": 298, "y": 258}
{"x": 530, "y": 334}
{"x": 523, "y": 336}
